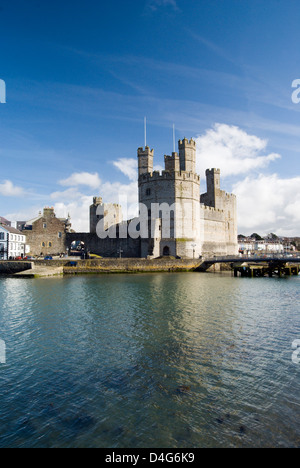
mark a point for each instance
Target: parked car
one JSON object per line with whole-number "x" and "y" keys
{"x": 94, "y": 256}
{"x": 48, "y": 257}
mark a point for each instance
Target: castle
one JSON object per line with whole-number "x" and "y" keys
{"x": 174, "y": 219}
{"x": 180, "y": 222}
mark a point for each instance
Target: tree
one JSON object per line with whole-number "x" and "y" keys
{"x": 256, "y": 236}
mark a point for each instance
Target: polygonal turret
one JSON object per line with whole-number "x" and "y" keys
{"x": 187, "y": 155}
{"x": 145, "y": 160}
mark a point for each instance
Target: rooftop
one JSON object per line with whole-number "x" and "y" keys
{"x": 11, "y": 230}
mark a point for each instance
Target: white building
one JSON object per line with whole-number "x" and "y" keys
{"x": 12, "y": 243}
{"x": 249, "y": 246}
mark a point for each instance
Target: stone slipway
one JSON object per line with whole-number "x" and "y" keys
{"x": 40, "y": 272}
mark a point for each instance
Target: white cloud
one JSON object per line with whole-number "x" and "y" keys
{"x": 79, "y": 209}
{"x": 82, "y": 178}
{"x": 128, "y": 166}
{"x": 268, "y": 204}
{"x": 74, "y": 202}
{"x": 8, "y": 189}
{"x": 232, "y": 150}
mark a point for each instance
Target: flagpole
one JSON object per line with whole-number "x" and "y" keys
{"x": 174, "y": 147}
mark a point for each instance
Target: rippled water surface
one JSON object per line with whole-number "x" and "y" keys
{"x": 159, "y": 360}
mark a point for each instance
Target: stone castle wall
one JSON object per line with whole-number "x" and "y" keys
{"x": 106, "y": 247}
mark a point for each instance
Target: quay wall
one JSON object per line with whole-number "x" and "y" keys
{"x": 11, "y": 267}
{"x": 131, "y": 265}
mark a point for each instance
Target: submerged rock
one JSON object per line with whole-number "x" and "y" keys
{"x": 220, "y": 420}
{"x": 183, "y": 389}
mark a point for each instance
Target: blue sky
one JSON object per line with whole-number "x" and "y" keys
{"x": 81, "y": 76}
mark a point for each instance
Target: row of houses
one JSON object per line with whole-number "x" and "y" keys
{"x": 12, "y": 243}
{"x": 43, "y": 235}
{"x": 249, "y": 245}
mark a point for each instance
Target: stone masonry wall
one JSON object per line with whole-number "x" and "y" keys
{"x": 47, "y": 239}
{"x": 132, "y": 265}
{"x": 106, "y": 247}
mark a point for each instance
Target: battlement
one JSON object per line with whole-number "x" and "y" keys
{"x": 178, "y": 175}
{"x": 213, "y": 171}
{"x": 97, "y": 201}
{"x": 147, "y": 150}
{"x": 229, "y": 196}
{"x": 211, "y": 208}
{"x": 186, "y": 142}
{"x": 174, "y": 156}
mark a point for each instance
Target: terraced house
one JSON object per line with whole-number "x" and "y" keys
{"x": 12, "y": 243}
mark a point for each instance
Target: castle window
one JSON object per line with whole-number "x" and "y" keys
{"x": 44, "y": 225}
{"x": 59, "y": 235}
{"x": 49, "y": 244}
{"x": 148, "y": 192}
{"x": 43, "y": 244}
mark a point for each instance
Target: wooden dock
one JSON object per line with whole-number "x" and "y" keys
{"x": 258, "y": 270}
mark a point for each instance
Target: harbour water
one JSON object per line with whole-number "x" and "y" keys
{"x": 153, "y": 360}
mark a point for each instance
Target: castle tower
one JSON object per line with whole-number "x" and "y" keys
{"x": 110, "y": 212}
{"x": 93, "y": 214}
{"x": 213, "y": 177}
{"x": 172, "y": 201}
{"x": 187, "y": 155}
{"x": 145, "y": 160}
{"x": 172, "y": 163}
